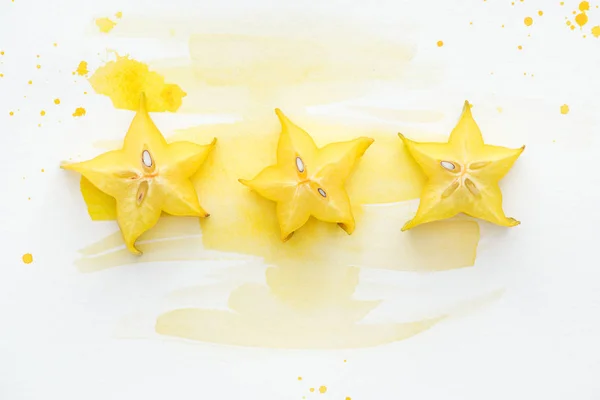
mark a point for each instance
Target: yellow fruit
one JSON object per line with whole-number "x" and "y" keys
{"x": 309, "y": 181}
{"x": 463, "y": 175}
{"x": 147, "y": 176}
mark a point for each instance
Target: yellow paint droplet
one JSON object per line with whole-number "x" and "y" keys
{"x": 323, "y": 389}
{"x": 584, "y": 6}
{"x": 503, "y": 25}
{"x": 82, "y": 69}
{"x": 520, "y": 47}
{"x": 56, "y": 101}
{"x": 596, "y": 31}
{"x": 125, "y": 79}
{"x": 27, "y": 257}
{"x": 55, "y": 44}
{"x": 299, "y": 378}
{"x": 79, "y": 112}
{"x": 581, "y": 19}
{"x": 562, "y": 3}
{"x": 440, "y": 43}
{"x": 42, "y": 113}
{"x": 540, "y": 13}
{"x": 312, "y": 390}
{"x": 1, "y": 53}
{"x": 43, "y": 170}
{"x": 38, "y": 66}
{"x": 572, "y": 27}
{"x": 11, "y": 113}
{"x": 119, "y": 15}
{"x": 564, "y": 109}
{"x": 105, "y": 25}
{"x": 499, "y": 109}
{"x": 30, "y": 82}
{"x": 528, "y": 21}
{"x": 348, "y": 398}
{"x": 1, "y": 75}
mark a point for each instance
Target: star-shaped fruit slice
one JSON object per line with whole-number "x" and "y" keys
{"x": 307, "y": 180}
{"x": 147, "y": 176}
{"x": 463, "y": 175}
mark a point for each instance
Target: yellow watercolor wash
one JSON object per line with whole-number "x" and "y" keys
{"x": 323, "y": 389}
{"x": 528, "y": 21}
{"x": 520, "y": 47}
{"x": 30, "y": 82}
{"x": 125, "y": 79}
{"x": 42, "y": 113}
{"x": 596, "y": 31}
{"x": 38, "y": 66}
{"x": 105, "y": 25}
{"x": 11, "y": 113}
{"x": 564, "y": 109}
{"x": 308, "y": 181}
{"x": 463, "y": 175}
{"x": 119, "y": 15}
{"x": 57, "y": 101}
{"x": 79, "y": 112}
{"x": 146, "y": 176}
{"x": 27, "y": 258}
{"x": 440, "y": 43}
{"x": 584, "y": 6}
{"x": 82, "y": 68}
{"x": 540, "y": 13}
{"x": 299, "y": 378}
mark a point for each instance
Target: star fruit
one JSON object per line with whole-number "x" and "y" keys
{"x": 463, "y": 175}
{"x": 307, "y": 180}
{"x": 147, "y": 176}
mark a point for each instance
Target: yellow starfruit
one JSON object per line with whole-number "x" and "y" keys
{"x": 147, "y": 176}
{"x": 307, "y": 180}
{"x": 463, "y": 175}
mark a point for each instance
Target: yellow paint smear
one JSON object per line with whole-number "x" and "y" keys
{"x": 105, "y": 25}
{"x": 124, "y": 79}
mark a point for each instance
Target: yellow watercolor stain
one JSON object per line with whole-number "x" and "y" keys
{"x": 299, "y": 378}
{"x": 105, "y": 25}
{"x": 56, "y": 101}
{"x": 42, "y": 170}
{"x": 30, "y": 82}
{"x": 42, "y": 113}
{"x": 564, "y": 109}
{"x": 79, "y": 112}
{"x": 323, "y": 389}
{"x": 82, "y": 69}
{"x": 55, "y": 44}
{"x": 528, "y": 21}
{"x": 11, "y": 113}
{"x": 581, "y": 19}
{"x": 562, "y": 3}
{"x": 572, "y": 27}
{"x": 125, "y": 79}
{"x": 584, "y": 6}
{"x": 312, "y": 390}
{"x": 38, "y": 66}
{"x": 596, "y": 31}
{"x": 520, "y": 47}
{"x": 1, "y": 53}
{"x": 348, "y": 398}
{"x": 440, "y": 43}
{"x": 27, "y": 258}
{"x": 119, "y": 15}
{"x": 540, "y": 13}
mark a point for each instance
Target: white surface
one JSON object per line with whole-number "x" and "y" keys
{"x": 540, "y": 340}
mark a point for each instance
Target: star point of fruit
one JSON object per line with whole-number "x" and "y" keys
{"x": 309, "y": 181}
{"x": 146, "y": 177}
{"x": 463, "y": 175}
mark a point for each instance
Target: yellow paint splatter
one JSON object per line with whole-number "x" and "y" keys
{"x": 528, "y": 21}
{"x": 348, "y": 398}
{"x": 42, "y": 113}
{"x": 572, "y": 27}
{"x": 596, "y": 31}
{"x": 312, "y": 390}
{"x": 11, "y": 113}
{"x": 105, "y": 25}
{"x": 564, "y": 109}
{"x": 540, "y": 13}
{"x": 55, "y": 44}
{"x": 119, "y": 15}
{"x": 562, "y": 3}
{"x": 125, "y": 79}
{"x": 520, "y": 47}
{"x": 27, "y": 258}
{"x": 1, "y": 75}
{"x": 79, "y": 112}
{"x": 56, "y": 101}
{"x": 82, "y": 69}
{"x": 299, "y": 378}
{"x": 42, "y": 170}
{"x": 30, "y": 82}
{"x": 323, "y": 389}
{"x": 581, "y": 19}
{"x": 1, "y": 53}
{"x": 38, "y": 66}
{"x": 584, "y": 6}
{"x": 440, "y": 43}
